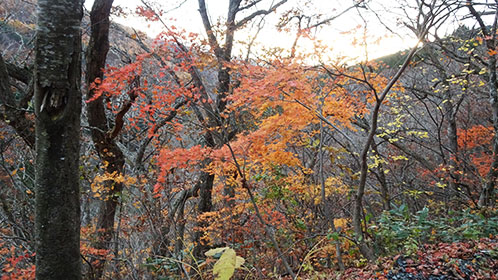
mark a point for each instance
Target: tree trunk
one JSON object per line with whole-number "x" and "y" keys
{"x": 327, "y": 211}
{"x": 214, "y": 119}
{"x": 58, "y": 108}
{"x": 105, "y": 145}
{"x": 381, "y": 177}
{"x": 486, "y": 197}
{"x": 205, "y": 205}
{"x": 450, "y": 110}
{"x": 452, "y": 137}
{"x": 365, "y": 249}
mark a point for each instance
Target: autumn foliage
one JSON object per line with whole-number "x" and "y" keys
{"x": 250, "y": 165}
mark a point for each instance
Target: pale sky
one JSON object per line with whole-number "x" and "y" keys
{"x": 334, "y": 35}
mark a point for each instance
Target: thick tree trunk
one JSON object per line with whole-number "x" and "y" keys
{"x": 58, "y": 108}
{"x": 215, "y": 120}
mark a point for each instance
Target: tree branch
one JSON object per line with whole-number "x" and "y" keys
{"x": 22, "y": 74}
{"x": 12, "y": 115}
{"x": 257, "y": 13}
{"x": 209, "y": 29}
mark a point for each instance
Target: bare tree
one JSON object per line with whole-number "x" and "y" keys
{"x": 431, "y": 13}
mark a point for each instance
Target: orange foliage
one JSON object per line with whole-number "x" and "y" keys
{"x": 17, "y": 266}
{"x": 476, "y": 136}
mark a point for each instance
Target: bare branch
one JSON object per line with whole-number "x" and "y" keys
{"x": 209, "y": 29}
{"x": 252, "y": 4}
{"x": 257, "y": 13}
{"x": 327, "y": 20}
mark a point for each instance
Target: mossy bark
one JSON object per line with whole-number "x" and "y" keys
{"x": 58, "y": 108}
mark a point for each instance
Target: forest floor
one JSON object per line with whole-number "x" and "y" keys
{"x": 472, "y": 260}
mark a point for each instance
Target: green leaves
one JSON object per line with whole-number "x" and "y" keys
{"x": 228, "y": 261}
{"x": 399, "y": 230}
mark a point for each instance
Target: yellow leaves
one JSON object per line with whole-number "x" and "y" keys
{"x": 376, "y": 161}
{"x": 413, "y": 193}
{"x": 335, "y": 185}
{"x": 401, "y": 157}
{"x": 393, "y": 140}
{"x": 307, "y": 171}
{"x": 104, "y": 183}
{"x": 225, "y": 267}
{"x": 393, "y": 126}
{"x": 441, "y": 185}
{"x": 340, "y": 223}
{"x": 311, "y": 193}
{"x": 419, "y": 134}
{"x": 213, "y": 252}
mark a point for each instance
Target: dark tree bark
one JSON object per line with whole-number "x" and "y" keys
{"x": 204, "y": 205}
{"x": 102, "y": 135}
{"x": 450, "y": 107}
{"x": 58, "y": 108}
{"x": 365, "y": 249}
{"x": 381, "y": 177}
{"x": 12, "y": 112}
{"x": 424, "y": 22}
{"x": 487, "y": 196}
